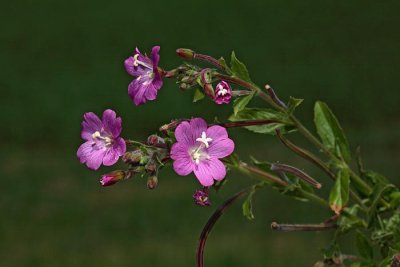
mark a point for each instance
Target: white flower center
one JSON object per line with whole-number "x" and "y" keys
{"x": 137, "y": 62}
{"x": 222, "y": 92}
{"x": 107, "y": 140}
{"x": 204, "y": 139}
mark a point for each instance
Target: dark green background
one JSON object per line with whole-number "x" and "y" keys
{"x": 61, "y": 59}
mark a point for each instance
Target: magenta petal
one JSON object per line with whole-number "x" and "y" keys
{"x": 110, "y": 157}
{"x": 155, "y": 57}
{"x": 217, "y": 168}
{"x": 119, "y": 146}
{"x": 183, "y": 166}
{"x": 111, "y": 123}
{"x": 91, "y": 124}
{"x": 183, "y": 133}
{"x": 217, "y": 132}
{"x": 203, "y": 174}
{"x": 95, "y": 159}
{"x": 221, "y": 148}
{"x": 198, "y": 126}
{"x": 84, "y": 151}
{"x": 179, "y": 150}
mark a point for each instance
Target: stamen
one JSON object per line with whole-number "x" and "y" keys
{"x": 204, "y": 139}
{"x": 137, "y": 62}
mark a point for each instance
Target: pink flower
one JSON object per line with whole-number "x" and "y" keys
{"x": 223, "y": 93}
{"x": 103, "y": 144}
{"x": 112, "y": 178}
{"x": 148, "y": 79}
{"x": 199, "y": 148}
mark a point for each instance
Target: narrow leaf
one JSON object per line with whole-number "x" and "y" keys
{"x": 330, "y": 131}
{"x": 339, "y": 195}
{"x": 240, "y": 103}
{"x": 247, "y": 206}
{"x": 263, "y": 114}
{"x": 239, "y": 69}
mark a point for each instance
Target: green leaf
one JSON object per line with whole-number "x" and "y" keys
{"x": 222, "y": 61}
{"x": 376, "y": 195}
{"x": 349, "y": 219}
{"x": 363, "y": 246}
{"x": 240, "y": 103}
{"x": 330, "y": 131}
{"x": 263, "y": 114}
{"x": 339, "y": 195}
{"x": 198, "y": 95}
{"x": 239, "y": 69}
{"x": 247, "y": 206}
{"x": 294, "y": 103}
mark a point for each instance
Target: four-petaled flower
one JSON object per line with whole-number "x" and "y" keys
{"x": 148, "y": 79}
{"x": 199, "y": 148}
{"x": 103, "y": 144}
{"x": 223, "y": 93}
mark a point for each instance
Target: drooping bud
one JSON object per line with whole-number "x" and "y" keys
{"x": 152, "y": 182}
{"x": 155, "y": 140}
{"x": 113, "y": 177}
{"x": 223, "y": 93}
{"x": 170, "y": 126}
{"x": 133, "y": 157}
{"x": 151, "y": 166}
{"x": 395, "y": 261}
{"x": 185, "y": 53}
{"x": 206, "y": 80}
{"x": 201, "y": 197}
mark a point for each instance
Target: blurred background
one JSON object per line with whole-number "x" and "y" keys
{"x": 61, "y": 59}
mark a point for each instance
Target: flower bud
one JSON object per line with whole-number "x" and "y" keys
{"x": 170, "y": 126}
{"x": 185, "y": 53}
{"x": 201, "y": 198}
{"x": 112, "y": 177}
{"x": 223, "y": 93}
{"x": 133, "y": 157}
{"x": 152, "y": 182}
{"x": 151, "y": 166}
{"x": 206, "y": 80}
{"x": 155, "y": 140}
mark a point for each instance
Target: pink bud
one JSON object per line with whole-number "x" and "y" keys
{"x": 223, "y": 93}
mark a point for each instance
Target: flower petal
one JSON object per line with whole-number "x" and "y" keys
{"x": 94, "y": 160}
{"x": 217, "y": 132}
{"x": 183, "y": 133}
{"x": 119, "y": 146}
{"x": 198, "y": 125}
{"x": 84, "y": 151}
{"x": 110, "y": 157}
{"x": 91, "y": 124}
{"x": 111, "y": 123}
{"x": 203, "y": 173}
{"x": 217, "y": 168}
{"x": 155, "y": 57}
{"x": 221, "y": 148}
{"x": 179, "y": 150}
{"x": 183, "y": 166}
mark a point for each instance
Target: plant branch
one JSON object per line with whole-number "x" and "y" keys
{"x": 211, "y": 222}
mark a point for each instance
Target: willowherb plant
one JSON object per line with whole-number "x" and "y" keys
{"x": 361, "y": 201}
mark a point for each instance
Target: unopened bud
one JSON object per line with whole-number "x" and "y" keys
{"x": 185, "y": 53}
{"x": 395, "y": 261}
{"x": 133, "y": 157}
{"x": 155, "y": 140}
{"x": 170, "y": 126}
{"x": 152, "y": 182}
{"x": 113, "y": 177}
{"x": 184, "y": 86}
{"x": 151, "y": 166}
